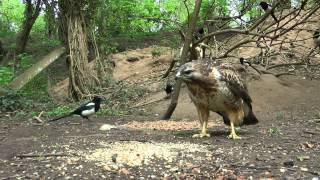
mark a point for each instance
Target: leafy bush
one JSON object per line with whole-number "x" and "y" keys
{"x": 5, "y": 75}
{"x": 156, "y": 51}
{"x": 12, "y": 101}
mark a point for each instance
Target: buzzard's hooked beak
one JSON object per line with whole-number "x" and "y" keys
{"x": 178, "y": 75}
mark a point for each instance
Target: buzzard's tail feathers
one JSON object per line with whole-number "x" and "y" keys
{"x": 250, "y": 119}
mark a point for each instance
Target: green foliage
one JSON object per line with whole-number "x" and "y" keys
{"x": 280, "y": 116}
{"x": 26, "y": 60}
{"x": 11, "y": 15}
{"x": 12, "y": 101}
{"x": 156, "y": 51}
{"x": 5, "y": 75}
{"x": 58, "y": 111}
{"x": 273, "y": 131}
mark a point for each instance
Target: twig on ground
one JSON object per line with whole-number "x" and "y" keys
{"x": 41, "y": 155}
{"x": 310, "y": 132}
{"x": 284, "y": 73}
{"x": 287, "y": 64}
{"x": 37, "y": 118}
{"x": 147, "y": 103}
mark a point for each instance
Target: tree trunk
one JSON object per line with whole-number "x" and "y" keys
{"x": 26, "y": 76}
{"x": 50, "y": 19}
{"x": 73, "y": 29}
{"x": 31, "y": 14}
{"x": 186, "y": 47}
{"x": 2, "y": 51}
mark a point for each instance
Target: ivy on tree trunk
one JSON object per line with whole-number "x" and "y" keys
{"x": 74, "y": 34}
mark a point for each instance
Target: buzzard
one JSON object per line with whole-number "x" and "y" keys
{"x": 218, "y": 88}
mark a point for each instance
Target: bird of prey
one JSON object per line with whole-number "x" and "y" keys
{"x": 84, "y": 110}
{"x": 267, "y": 7}
{"x": 220, "y": 89}
{"x": 316, "y": 38}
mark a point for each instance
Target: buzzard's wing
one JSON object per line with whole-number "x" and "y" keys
{"x": 232, "y": 75}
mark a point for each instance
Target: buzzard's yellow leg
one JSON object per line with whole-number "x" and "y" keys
{"x": 203, "y": 117}
{"x": 233, "y": 134}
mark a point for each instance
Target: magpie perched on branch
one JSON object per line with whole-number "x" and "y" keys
{"x": 316, "y": 38}
{"x": 84, "y": 110}
{"x": 267, "y": 7}
{"x": 244, "y": 62}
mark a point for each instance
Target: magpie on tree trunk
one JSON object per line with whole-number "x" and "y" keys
{"x": 84, "y": 110}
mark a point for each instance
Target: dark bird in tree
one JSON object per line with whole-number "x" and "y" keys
{"x": 267, "y": 7}
{"x": 316, "y": 38}
{"x": 169, "y": 88}
{"x": 220, "y": 89}
{"x": 84, "y": 110}
{"x": 244, "y": 62}
{"x": 199, "y": 33}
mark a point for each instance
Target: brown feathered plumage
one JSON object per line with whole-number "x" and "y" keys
{"x": 220, "y": 89}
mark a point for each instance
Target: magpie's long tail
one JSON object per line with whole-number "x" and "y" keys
{"x": 60, "y": 117}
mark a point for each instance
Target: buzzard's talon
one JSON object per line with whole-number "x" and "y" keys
{"x": 234, "y": 136}
{"x": 201, "y": 135}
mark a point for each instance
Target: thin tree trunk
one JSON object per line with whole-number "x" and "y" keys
{"x": 31, "y": 14}
{"x": 186, "y": 47}
{"x": 50, "y": 19}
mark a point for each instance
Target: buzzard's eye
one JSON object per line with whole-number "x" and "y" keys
{"x": 187, "y": 72}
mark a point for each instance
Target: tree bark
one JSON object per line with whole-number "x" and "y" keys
{"x": 26, "y": 76}
{"x": 186, "y": 47}
{"x": 50, "y": 19}
{"x": 31, "y": 14}
{"x": 73, "y": 31}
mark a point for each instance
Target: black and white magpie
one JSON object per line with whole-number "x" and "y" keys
{"x": 84, "y": 110}
{"x": 244, "y": 62}
{"x": 316, "y": 38}
{"x": 169, "y": 88}
{"x": 267, "y": 7}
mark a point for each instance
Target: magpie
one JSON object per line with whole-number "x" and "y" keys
{"x": 316, "y": 38}
{"x": 169, "y": 88}
{"x": 244, "y": 62}
{"x": 199, "y": 33}
{"x": 84, "y": 110}
{"x": 267, "y": 7}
